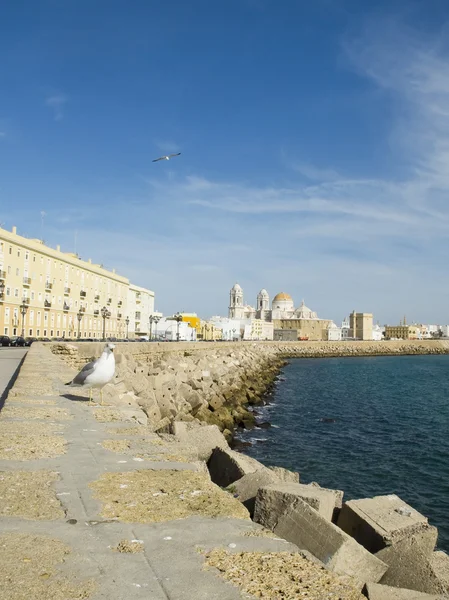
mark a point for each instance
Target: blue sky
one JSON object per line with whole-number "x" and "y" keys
{"x": 314, "y": 140}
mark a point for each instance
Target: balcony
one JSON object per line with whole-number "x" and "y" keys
{"x": 2, "y": 274}
{"x": 119, "y": 315}
{"x": 83, "y": 293}
{"x": 137, "y": 317}
{"x": 96, "y": 312}
{"x": 97, "y": 297}
{"x": 48, "y": 285}
{"x": 66, "y": 307}
{"x": 66, "y": 290}
{"x": 109, "y": 300}
{"x": 82, "y": 309}
{"x": 27, "y": 281}
{"x": 138, "y": 298}
{"x": 120, "y": 303}
{"x": 25, "y": 300}
{"x": 47, "y": 304}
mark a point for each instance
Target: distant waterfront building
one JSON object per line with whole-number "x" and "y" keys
{"x": 345, "y": 329}
{"x": 333, "y": 332}
{"x": 167, "y": 329}
{"x": 402, "y": 332}
{"x": 361, "y": 326}
{"x": 50, "y": 293}
{"x": 258, "y": 330}
{"x": 230, "y": 328}
{"x": 140, "y": 308}
{"x": 378, "y": 333}
{"x": 282, "y": 314}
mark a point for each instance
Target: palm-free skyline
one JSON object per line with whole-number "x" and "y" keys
{"x": 313, "y": 137}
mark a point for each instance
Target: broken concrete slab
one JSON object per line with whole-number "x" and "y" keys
{"x": 304, "y": 526}
{"x": 376, "y": 591}
{"x": 275, "y": 498}
{"x": 247, "y": 487}
{"x": 410, "y": 567}
{"x": 226, "y": 466}
{"x": 384, "y": 520}
{"x": 285, "y": 475}
{"x": 440, "y": 564}
{"x": 204, "y": 437}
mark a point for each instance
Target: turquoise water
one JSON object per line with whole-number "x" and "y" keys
{"x": 385, "y": 428}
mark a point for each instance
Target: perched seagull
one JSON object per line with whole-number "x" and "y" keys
{"x": 166, "y": 157}
{"x": 97, "y": 373}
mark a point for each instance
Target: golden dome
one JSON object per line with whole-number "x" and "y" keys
{"x": 282, "y": 296}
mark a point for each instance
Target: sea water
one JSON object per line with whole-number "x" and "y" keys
{"x": 368, "y": 426}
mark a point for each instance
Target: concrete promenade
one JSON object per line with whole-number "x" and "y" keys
{"x": 10, "y": 359}
{"x": 86, "y": 499}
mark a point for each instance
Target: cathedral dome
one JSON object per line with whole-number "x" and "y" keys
{"x": 263, "y": 293}
{"x": 282, "y": 296}
{"x": 237, "y": 288}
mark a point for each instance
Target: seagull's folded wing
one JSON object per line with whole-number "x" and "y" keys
{"x": 85, "y": 372}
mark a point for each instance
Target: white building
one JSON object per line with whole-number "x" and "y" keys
{"x": 258, "y": 330}
{"x": 334, "y": 332}
{"x": 444, "y": 330}
{"x": 345, "y": 329}
{"x": 140, "y": 306}
{"x": 167, "y": 329}
{"x": 230, "y": 328}
{"x": 378, "y": 333}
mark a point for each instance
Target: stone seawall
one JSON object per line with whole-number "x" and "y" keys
{"x": 211, "y": 382}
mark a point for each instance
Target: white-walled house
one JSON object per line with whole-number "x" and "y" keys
{"x": 377, "y": 333}
{"x": 258, "y": 330}
{"x": 334, "y": 333}
{"x": 230, "y": 328}
{"x": 168, "y": 329}
{"x": 345, "y": 329}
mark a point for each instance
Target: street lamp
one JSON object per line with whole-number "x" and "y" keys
{"x": 79, "y": 316}
{"x": 178, "y": 319}
{"x": 155, "y": 320}
{"x": 233, "y": 335}
{"x": 127, "y": 325}
{"x": 105, "y": 314}
{"x": 23, "y": 310}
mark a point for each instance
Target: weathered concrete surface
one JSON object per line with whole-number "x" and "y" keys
{"x": 274, "y": 499}
{"x": 410, "y": 567}
{"x": 384, "y": 520}
{"x": 302, "y": 525}
{"x": 227, "y": 466}
{"x": 440, "y": 564}
{"x": 246, "y": 488}
{"x": 376, "y": 591}
{"x": 205, "y": 438}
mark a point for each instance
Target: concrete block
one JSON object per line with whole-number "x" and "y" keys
{"x": 384, "y": 520}
{"x": 285, "y": 475}
{"x": 409, "y": 567}
{"x": 440, "y": 564}
{"x": 304, "y": 526}
{"x": 274, "y": 499}
{"x": 247, "y": 487}
{"x": 204, "y": 438}
{"x": 226, "y": 466}
{"x": 376, "y": 591}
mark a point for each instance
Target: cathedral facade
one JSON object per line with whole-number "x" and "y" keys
{"x": 282, "y": 313}
{"x": 282, "y": 307}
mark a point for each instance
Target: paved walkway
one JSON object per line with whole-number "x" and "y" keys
{"x": 78, "y": 480}
{"x": 9, "y": 361}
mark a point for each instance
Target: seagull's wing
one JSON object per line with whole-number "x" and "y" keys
{"x": 87, "y": 370}
{"x": 176, "y": 154}
{"x": 160, "y": 158}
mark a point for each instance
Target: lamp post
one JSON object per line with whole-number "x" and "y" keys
{"x": 2, "y": 290}
{"x": 105, "y": 314}
{"x": 233, "y": 335}
{"x": 23, "y": 310}
{"x": 178, "y": 319}
{"x": 127, "y": 325}
{"x": 155, "y": 320}
{"x": 79, "y": 316}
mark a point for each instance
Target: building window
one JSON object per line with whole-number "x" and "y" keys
{"x": 18, "y": 252}
{"x": 27, "y": 256}
{"x": 9, "y": 270}
{"x": 32, "y": 295}
{"x": 16, "y": 293}
{"x": 8, "y": 291}
{"x": 30, "y": 332}
{"x": 17, "y": 271}
{"x": 38, "y": 332}
{"x": 38, "y": 317}
{"x": 10, "y": 249}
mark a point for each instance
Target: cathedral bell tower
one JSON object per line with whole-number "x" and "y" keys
{"x": 236, "y": 309}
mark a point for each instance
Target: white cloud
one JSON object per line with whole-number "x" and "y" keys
{"x": 57, "y": 103}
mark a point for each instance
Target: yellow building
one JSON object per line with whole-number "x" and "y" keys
{"x": 193, "y": 320}
{"x": 361, "y": 326}
{"x": 48, "y": 293}
{"x": 404, "y": 332}
{"x": 209, "y": 332}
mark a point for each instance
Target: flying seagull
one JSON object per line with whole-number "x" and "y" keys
{"x": 166, "y": 157}
{"x": 97, "y": 373}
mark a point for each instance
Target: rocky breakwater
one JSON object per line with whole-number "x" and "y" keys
{"x": 159, "y": 385}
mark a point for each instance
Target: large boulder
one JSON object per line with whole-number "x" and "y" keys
{"x": 376, "y": 591}
{"x": 204, "y": 437}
